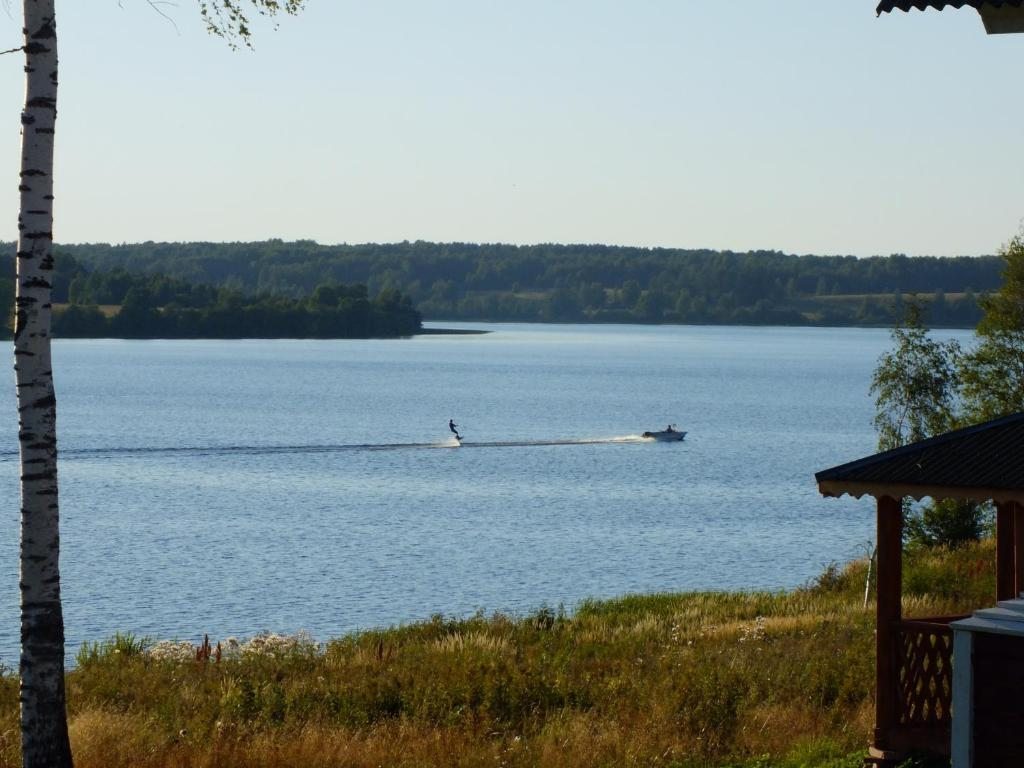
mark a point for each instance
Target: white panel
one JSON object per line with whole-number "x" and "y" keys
{"x": 963, "y": 699}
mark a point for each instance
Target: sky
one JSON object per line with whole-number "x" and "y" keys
{"x": 805, "y": 126}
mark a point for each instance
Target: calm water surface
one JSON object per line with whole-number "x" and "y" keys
{"x": 228, "y": 487}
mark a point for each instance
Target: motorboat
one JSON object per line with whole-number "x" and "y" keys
{"x": 668, "y": 435}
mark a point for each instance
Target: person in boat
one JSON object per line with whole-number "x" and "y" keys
{"x": 669, "y": 428}
{"x": 454, "y": 428}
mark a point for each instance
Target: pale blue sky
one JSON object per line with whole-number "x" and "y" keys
{"x": 798, "y": 125}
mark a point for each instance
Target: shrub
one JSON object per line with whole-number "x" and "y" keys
{"x": 948, "y": 523}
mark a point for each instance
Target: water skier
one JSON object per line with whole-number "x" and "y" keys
{"x": 453, "y": 427}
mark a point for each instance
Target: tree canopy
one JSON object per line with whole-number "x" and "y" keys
{"x": 924, "y": 387}
{"x": 993, "y": 373}
{"x": 578, "y": 283}
{"x": 914, "y": 384}
{"x": 230, "y": 19}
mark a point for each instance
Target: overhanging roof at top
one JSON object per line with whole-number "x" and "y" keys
{"x": 999, "y": 16}
{"x": 905, "y": 5}
{"x": 985, "y": 461}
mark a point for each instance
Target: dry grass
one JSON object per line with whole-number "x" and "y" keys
{"x": 715, "y": 679}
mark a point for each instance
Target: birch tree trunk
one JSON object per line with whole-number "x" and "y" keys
{"x": 44, "y": 731}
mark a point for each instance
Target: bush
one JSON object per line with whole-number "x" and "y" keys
{"x": 948, "y": 523}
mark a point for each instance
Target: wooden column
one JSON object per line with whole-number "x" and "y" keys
{"x": 1005, "y": 559}
{"x": 1018, "y": 548}
{"x": 888, "y": 613}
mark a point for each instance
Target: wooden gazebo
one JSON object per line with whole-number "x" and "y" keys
{"x": 914, "y": 656}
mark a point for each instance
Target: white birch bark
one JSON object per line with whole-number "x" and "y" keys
{"x": 44, "y": 733}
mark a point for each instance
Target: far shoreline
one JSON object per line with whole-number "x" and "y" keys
{"x": 451, "y": 332}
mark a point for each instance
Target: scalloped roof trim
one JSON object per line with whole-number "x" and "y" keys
{"x": 838, "y": 488}
{"x": 905, "y": 5}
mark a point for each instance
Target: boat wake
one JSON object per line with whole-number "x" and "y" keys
{"x": 561, "y": 441}
{"x": 268, "y": 450}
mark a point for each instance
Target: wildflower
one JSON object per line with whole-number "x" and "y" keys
{"x": 231, "y": 648}
{"x": 272, "y": 645}
{"x": 754, "y": 633}
{"x": 171, "y": 650}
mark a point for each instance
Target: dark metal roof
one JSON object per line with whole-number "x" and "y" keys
{"x": 905, "y": 5}
{"x": 982, "y": 462}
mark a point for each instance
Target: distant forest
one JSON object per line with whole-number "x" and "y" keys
{"x": 119, "y": 304}
{"x": 217, "y": 289}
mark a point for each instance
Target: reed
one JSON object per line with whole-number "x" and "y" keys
{"x": 742, "y": 679}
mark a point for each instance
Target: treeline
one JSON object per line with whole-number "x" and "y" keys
{"x": 582, "y": 283}
{"x": 120, "y": 304}
{"x": 196, "y": 289}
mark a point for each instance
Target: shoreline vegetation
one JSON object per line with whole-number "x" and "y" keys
{"x": 451, "y": 332}
{"x": 277, "y": 289}
{"x": 737, "y": 679}
{"x": 177, "y": 310}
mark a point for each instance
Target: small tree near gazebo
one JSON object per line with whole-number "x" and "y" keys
{"x": 985, "y": 462}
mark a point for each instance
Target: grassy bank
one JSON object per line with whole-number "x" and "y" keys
{"x": 720, "y": 679}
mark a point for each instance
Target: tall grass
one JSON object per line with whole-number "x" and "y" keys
{"x": 683, "y": 680}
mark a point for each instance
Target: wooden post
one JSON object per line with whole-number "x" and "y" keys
{"x": 1005, "y": 560}
{"x": 888, "y": 612}
{"x": 1018, "y": 548}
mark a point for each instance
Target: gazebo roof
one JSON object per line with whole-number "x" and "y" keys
{"x": 998, "y": 16}
{"x": 905, "y": 5}
{"x": 982, "y": 462}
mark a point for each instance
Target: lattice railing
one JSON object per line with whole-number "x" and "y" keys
{"x": 925, "y": 683}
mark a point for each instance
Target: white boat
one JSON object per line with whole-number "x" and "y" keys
{"x": 668, "y": 435}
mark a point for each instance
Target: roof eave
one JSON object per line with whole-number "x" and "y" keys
{"x": 837, "y": 488}
{"x": 1000, "y": 17}
{"x": 1006, "y": 20}
{"x": 887, "y": 6}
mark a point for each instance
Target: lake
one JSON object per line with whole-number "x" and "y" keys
{"x": 229, "y": 487}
